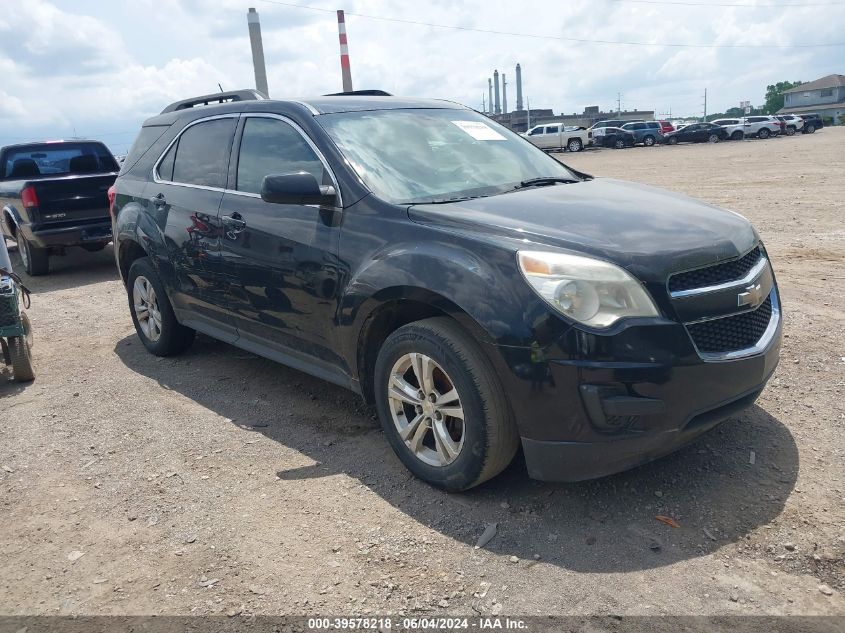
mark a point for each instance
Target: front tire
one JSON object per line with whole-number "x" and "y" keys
{"x": 36, "y": 261}
{"x": 713, "y": 138}
{"x": 810, "y": 129}
{"x": 764, "y": 133}
{"x": 790, "y": 131}
{"x": 20, "y": 353}
{"x": 737, "y": 136}
{"x": 575, "y": 145}
{"x": 152, "y": 312}
{"x": 442, "y": 406}
{"x": 649, "y": 141}
{"x": 672, "y": 140}
{"x": 619, "y": 144}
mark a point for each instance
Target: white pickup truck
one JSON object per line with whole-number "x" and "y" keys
{"x": 557, "y": 136}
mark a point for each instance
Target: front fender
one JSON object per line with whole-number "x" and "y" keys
{"x": 474, "y": 287}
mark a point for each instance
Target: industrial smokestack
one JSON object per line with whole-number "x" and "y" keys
{"x": 504, "y": 94}
{"x": 345, "y": 71}
{"x": 257, "y": 52}
{"x": 518, "y": 87}
{"x": 497, "y": 109}
{"x": 490, "y": 99}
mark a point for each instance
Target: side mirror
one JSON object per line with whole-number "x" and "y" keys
{"x": 299, "y": 188}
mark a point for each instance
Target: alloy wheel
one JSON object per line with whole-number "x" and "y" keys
{"x": 147, "y": 311}
{"x": 426, "y": 409}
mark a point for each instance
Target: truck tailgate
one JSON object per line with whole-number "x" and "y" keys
{"x": 74, "y": 198}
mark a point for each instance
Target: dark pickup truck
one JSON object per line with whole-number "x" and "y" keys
{"x": 54, "y": 195}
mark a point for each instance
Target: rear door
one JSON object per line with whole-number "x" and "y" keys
{"x": 282, "y": 257}
{"x": 551, "y": 137}
{"x": 184, "y": 198}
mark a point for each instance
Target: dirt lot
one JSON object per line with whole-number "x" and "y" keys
{"x": 218, "y": 482}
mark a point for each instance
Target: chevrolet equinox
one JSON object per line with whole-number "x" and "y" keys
{"x": 479, "y": 293}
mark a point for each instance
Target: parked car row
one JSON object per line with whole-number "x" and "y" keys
{"x": 619, "y": 134}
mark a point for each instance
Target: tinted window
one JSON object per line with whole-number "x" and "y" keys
{"x": 57, "y": 159}
{"x": 552, "y": 129}
{"x": 165, "y": 168}
{"x": 270, "y": 146}
{"x": 202, "y": 157}
{"x": 146, "y": 137}
{"x": 653, "y": 124}
{"x": 535, "y": 131}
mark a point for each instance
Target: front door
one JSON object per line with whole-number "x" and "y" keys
{"x": 184, "y": 199}
{"x": 282, "y": 258}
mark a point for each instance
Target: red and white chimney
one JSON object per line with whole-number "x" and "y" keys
{"x": 345, "y": 71}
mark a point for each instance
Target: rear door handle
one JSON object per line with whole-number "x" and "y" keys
{"x": 234, "y": 224}
{"x": 159, "y": 200}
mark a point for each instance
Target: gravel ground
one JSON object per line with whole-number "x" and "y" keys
{"x": 218, "y": 482}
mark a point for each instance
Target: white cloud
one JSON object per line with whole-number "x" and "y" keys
{"x": 99, "y": 68}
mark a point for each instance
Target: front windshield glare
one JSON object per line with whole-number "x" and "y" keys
{"x": 433, "y": 155}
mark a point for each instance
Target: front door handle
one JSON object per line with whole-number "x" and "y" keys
{"x": 234, "y": 225}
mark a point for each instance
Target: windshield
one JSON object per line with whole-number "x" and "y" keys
{"x": 432, "y": 155}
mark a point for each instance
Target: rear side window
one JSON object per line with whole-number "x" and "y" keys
{"x": 57, "y": 159}
{"x": 146, "y": 137}
{"x": 202, "y": 155}
{"x": 653, "y": 124}
{"x": 552, "y": 129}
{"x": 271, "y": 146}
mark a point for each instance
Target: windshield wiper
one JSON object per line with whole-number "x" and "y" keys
{"x": 544, "y": 181}
{"x": 449, "y": 200}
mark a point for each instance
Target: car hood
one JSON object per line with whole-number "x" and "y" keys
{"x": 649, "y": 231}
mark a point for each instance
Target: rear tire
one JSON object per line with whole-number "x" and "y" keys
{"x": 790, "y": 131}
{"x": 20, "y": 353}
{"x": 649, "y": 141}
{"x": 480, "y": 446}
{"x": 809, "y": 129}
{"x": 672, "y": 140}
{"x": 152, "y": 312}
{"x": 619, "y": 144}
{"x": 737, "y": 136}
{"x": 36, "y": 261}
{"x": 713, "y": 138}
{"x": 764, "y": 133}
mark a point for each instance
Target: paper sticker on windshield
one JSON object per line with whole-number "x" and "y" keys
{"x": 479, "y": 131}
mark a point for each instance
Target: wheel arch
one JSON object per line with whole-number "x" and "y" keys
{"x": 391, "y": 308}
{"x": 10, "y": 222}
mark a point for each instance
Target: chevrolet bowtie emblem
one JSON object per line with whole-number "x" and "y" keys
{"x": 752, "y": 296}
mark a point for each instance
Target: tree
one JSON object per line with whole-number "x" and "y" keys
{"x": 774, "y": 95}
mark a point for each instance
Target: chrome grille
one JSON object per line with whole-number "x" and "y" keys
{"x": 733, "y": 333}
{"x": 716, "y": 274}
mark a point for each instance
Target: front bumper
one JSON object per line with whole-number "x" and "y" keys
{"x": 61, "y": 236}
{"x": 622, "y": 400}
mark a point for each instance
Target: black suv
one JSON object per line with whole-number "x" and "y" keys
{"x": 479, "y": 292}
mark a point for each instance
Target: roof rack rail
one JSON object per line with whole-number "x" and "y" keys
{"x": 360, "y": 93}
{"x": 215, "y": 98}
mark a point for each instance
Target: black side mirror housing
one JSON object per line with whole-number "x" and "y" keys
{"x": 298, "y": 188}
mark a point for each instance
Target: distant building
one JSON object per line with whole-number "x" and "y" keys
{"x": 825, "y": 96}
{"x": 518, "y": 119}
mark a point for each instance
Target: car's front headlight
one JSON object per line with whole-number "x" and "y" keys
{"x": 587, "y": 290}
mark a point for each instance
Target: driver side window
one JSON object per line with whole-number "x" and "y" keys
{"x": 271, "y": 146}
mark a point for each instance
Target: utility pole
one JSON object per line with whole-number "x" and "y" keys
{"x": 618, "y": 103}
{"x": 528, "y": 121}
{"x": 483, "y": 103}
{"x": 257, "y": 52}
{"x": 705, "y": 105}
{"x": 504, "y": 94}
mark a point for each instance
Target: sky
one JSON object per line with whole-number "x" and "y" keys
{"x": 97, "y": 69}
